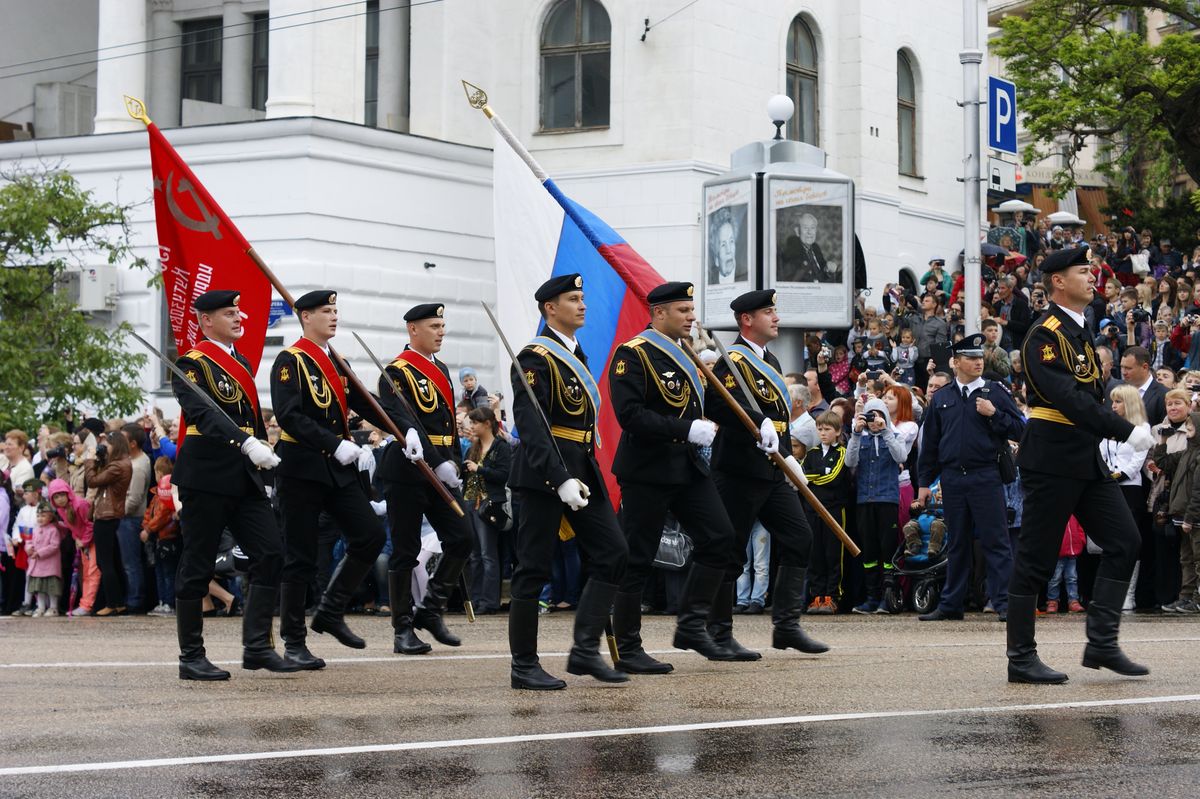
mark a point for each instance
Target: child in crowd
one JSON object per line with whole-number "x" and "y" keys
{"x": 831, "y": 482}
{"x": 839, "y": 370}
{"x": 73, "y": 516}
{"x": 22, "y": 538}
{"x": 906, "y": 357}
{"x": 45, "y": 566}
{"x": 161, "y": 523}
{"x": 1065, "y": 570}
{"x": 876, "y": 454}
{"x": 926, "y": 517}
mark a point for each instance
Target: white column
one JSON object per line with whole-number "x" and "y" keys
{"x": 971, "y": 57}
{"x": 394, "y": 18}
{"x": 165, "y": 65}
{"x": 236, "y": 54}
{"x": 122, "y": 22}
{"x": 318, "y": 70}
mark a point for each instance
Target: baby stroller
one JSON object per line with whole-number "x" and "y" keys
{"x": 925, "y": 573}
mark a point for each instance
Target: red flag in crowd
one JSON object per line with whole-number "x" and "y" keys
{"x": 200, "y": 249}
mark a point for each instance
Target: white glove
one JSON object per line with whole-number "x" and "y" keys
{"x": 797, "y": 469}
{"x": 446, "y": 472}
{"x": 366, "y": 462}
{"x": 259, "y": 453}
{"x": 379, "y": 507}
{"x": 574, "y": 494}
{"x": 412, "y": 445}
{"x": 770, "y": 439}
{"x": 702, "y": 432}
{"x": 1140, "y": 439}
{"x": 347, "y": 452}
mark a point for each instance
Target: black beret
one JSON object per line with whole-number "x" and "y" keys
{"x": 430, "y": 310}
{"x": 971, "y": 346}
{"x": 558, "y": 285}
{"x": 671, "y": 292}
{"x": 216, "y": 299}
{"x": 315, "y": 299}
{"x": 753, "y": 300}
{"x": 1059, "y": 260}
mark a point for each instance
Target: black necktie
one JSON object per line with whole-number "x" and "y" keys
{"x": 966, "y": 393}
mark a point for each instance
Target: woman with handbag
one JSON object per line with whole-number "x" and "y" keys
{"x": 487, "y": 463}
{"x": 108, "y": 472}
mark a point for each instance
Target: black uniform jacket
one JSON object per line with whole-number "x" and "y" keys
{"x": 1065, "y": 390}
{"x": 310, "y": 420}
{"x": 829, "y": 477}
{"x": 565, "y": 403}
{"x": 955, "y": 436}
{"x": 655, "y": 404}
{"x": 735, "y": 451}
{"x": 435, "y": 421}
{"x": 210, "y": 457}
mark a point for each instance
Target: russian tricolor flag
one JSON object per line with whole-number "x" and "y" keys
{"x": 539, "y": 233}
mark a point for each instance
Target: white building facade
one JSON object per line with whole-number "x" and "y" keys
{"x": 338, "y": 138}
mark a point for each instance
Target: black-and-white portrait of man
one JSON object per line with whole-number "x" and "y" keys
{"x": 809, "y": 241}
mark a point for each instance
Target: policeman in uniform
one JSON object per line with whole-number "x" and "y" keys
{"x": 751, "y": 486}
{"x": 219, "y": 473}
{"x": 658, "y": 397}
{"x": 320, "y": 472}
{"x": 432, "y": 436}
{"x": 1062, "y": 474}
{"x": 561, "y": 489}
{"x": 966, "y": 424}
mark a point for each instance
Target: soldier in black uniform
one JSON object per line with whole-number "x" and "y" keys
{"x": 425, "y": 383}
{"x": 219, "y": 473}
{"x": 1062, "y": 474}
{"x": 751, "y": 486}
{"x": 658, "y": 397}
{"x": 554, "y": 467}
{"x": 320, "y": 472}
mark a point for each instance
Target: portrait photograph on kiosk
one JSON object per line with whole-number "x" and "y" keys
{"x": 810, "y": 249}
{"x": 727, "y": 246}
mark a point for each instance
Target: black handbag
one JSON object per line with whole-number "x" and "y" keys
{"x": 1006, "y": 464}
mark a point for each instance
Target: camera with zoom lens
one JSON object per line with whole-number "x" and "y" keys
{"x": 101, "y": 453}
{"x": 57, "y": 452}
{"x": 1140, "y": 315}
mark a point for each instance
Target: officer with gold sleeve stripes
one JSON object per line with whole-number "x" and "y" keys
{"x": 658, "y": 397}
{"x": 1062, "y": 474}
{"x": 219, "y": 473}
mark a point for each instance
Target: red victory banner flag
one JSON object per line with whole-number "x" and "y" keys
{"x": 200, "y": 249}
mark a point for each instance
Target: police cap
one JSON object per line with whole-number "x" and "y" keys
{"x": 970, "y": 347}
{"x": 671, "y": 292}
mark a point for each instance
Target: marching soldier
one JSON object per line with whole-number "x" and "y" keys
{"x": 425, "y": 383}
{"x": 752, "y": 486}
{"x": 555, "y": 466}
{"x": 219, "y": 473}
{"x": 320, "y": 472}
{"x": 1062, "y": 474}
{"x": 658, "y": 397}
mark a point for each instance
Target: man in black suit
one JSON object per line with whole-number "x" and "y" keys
{"x": 801, "y": 259}
{"x": 1136, "y": 372}
{"x": 1012, "y": 310}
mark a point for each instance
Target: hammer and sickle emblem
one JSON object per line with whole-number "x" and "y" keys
{"x": 209, "y": 223}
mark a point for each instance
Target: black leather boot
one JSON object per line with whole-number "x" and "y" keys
{"x": 430, "y": 615}
{"x": 1024, "y": 665}
{"x": 258, "y": 648}
{"x": 627, "y": 626}
{"x": 527, "y": 672}
{"x": 696, "y": 600}
{"x": 720, "y": 623}
{"x": 785, "y": 613}
{"x": 189, "y": 624}
{"x": 404, "y": 640}
{"x": 291, "y": 627}
{"x": 329, "y": 617}
{"x": 590, "y": 617}
{"x": 1103, "y": 621}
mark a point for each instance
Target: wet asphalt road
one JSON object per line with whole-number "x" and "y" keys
{"x": 947, "y": 723}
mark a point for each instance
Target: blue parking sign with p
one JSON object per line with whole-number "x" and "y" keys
{"x": 1002, "y": 115}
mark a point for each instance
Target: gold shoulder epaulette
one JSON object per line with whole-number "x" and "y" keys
{"x": 736, "y": 356}
{"x": 540, "y": 350}
{"x": 1052, "y": 323}
{"x": 295, "y": 350}
{"x": 635, "y": 342}
{"x": 193, "y": 354}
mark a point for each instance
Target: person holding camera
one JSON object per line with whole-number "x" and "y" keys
{"x": 929, "y": 330}
{"x": 109, "y": 471}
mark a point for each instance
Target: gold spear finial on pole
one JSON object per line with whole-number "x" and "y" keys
{"x": 477, "y": 97}
{"x": 136, "y": 109}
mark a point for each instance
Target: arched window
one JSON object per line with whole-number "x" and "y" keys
{"x": 906, "y": 114}
{"x": 575, "y": 66}
{"x": 802, "y": 82}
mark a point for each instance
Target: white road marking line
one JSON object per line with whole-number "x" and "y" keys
{"x": 129, "y": 664}
{"x": 459, "y": 743}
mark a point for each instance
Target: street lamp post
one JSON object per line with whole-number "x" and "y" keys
{"x": 971, "y": 57}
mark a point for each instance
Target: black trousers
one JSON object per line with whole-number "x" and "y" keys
{"x": 596, "y": 532}
{"x": 204, "y": 517}
{"x": 302, "y": 502}
{"x": 406, "y": 504}
{"x": 698, "y": 508}
{"x": 108, "y": 559}
{"x": 877, "y": 530}
{"x": 774, "y": 503}
{"x": 1050, "y": 500}
{"x": 825, "y": 562}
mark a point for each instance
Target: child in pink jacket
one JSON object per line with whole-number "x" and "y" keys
{"x": 73, "y": 512}
{"x": 45, "y": 566}
{"x": 1073, "y": 543}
